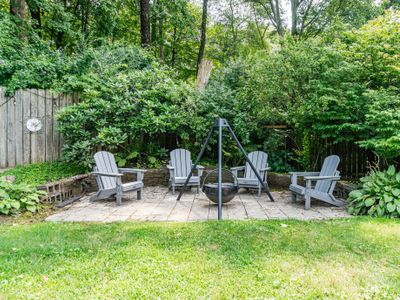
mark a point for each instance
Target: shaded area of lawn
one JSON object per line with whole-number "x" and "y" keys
{"x": 349, "y": 258}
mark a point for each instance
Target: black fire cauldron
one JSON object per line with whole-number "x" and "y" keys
{"x": 229, "y": 190}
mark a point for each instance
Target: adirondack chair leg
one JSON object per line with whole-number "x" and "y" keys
{"x": 198, "y": 189}
{"x": 94, "y": 197}
{"x": 118, "y": 197}
{"x": 173, "y": 190}
{"x": 259, "y": 192}
{"x": 308, "y": 202}
{"x": 139, "y": 194}
{"x": 294, "y": 196}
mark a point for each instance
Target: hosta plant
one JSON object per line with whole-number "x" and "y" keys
{"x": 20, "y": 197}
{"x": 378, "y": 196}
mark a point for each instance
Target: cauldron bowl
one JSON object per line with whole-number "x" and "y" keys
{"x": 229, "y": 190}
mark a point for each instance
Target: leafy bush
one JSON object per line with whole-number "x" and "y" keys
{"x": 128, "y": 101}
{"x": 36, "y": 174}
{"x": 383, "y": 122}
{"x": 26, "y": 61}
{"x": 18, "y": 197}
{"x": 379, "y": 195}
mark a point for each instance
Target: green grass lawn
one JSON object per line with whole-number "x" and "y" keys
{"x": 350, "y": 258}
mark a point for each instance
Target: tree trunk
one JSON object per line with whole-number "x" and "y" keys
{"x": 293, "y": 6}
{"x": 35, "y": 12}
{"x": 145, "y": 22}
{"x": 174, "y": 52}
{"x": 60, "y": 34}
{"x": 161, "y": 37}
{"x": 278, "y": 18}
{"x": 203, "y": 35}
{"x": 19, "y": 8}
{"x": 204, "y": 74}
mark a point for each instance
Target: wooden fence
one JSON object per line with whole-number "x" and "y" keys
{"x": 18, "y": 145}
{"x": 355, "y": 162}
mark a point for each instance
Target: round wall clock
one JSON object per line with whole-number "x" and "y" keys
{"x": 34, "y": 125}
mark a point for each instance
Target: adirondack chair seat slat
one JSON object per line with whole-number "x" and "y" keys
{"x": 179, "y": 168}
{"x": 108, "y": 178}
{"x": 259, "y": 159}
{"x": 298, "y": 189}
{"x": 247, "y": 181}
{"x": 324, "y": 186}
{"x": 192, "y": 180}
{"x": 130, "y": 186}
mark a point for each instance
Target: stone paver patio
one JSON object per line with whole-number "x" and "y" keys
{"x": 158, "y": 204}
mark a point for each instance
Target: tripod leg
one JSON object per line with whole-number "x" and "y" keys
{"x": 203, "y": 149}
{"x": 265, "y": 186}
{"x": 219, "y": 171}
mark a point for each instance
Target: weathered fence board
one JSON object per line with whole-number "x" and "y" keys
{"x": 3, "y": 124}
{"x": 17, "y": 144}
{"x": 354, "y": 160}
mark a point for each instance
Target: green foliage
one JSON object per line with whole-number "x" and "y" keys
{"x": 222, "y": 99}
{"x": 129, "y": 100}
{"x": 18, "y": 197}
{"x": 379, "y": 195}
{"x": 41, "y": 173}
{"x": 26, "y": 61}
{"x": 329, "y": 86}
{"x": 375, "y": 48}
{"x": 383, "y": 122}
{"x": 175, "y": 33}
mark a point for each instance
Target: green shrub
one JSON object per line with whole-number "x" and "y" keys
{"x": 379, "y": 195}
{"x": 36, "y": 174}
{"x": 18, "y": 197}
{"x": 383, "y": 122}
{"x": 129, "y": 100}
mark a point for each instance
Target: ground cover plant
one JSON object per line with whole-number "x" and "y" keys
{"x": 41, "y": 173}
{"x": 348, "y": 259}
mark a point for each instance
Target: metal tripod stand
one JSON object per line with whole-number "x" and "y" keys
{"x": 220, "y": 124}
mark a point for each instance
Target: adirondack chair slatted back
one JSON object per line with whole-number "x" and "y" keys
{"x": 181, "y": 161}
{"x": 329, "y": 168}
{"x": 259, "y": 160}
{"x": 105, "y": 162}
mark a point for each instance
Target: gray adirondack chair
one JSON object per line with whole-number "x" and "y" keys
{"x": 109, "y": 178}
{"x": 324, "y": 186}
{"x": 179, "y": 168}
{"x": 249, "y": 180}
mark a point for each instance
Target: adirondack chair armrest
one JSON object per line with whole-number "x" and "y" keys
{"x": 200, "y": 170}
{"x": 303, "y": 174}
{"x": 139, "y": 172}
{"x": 295, "y": 175}
{"x": 263, "y": 172}
{"x": 129, "y": 170}
{"x": 235, "y": 170}
{"x": 313, "y": 178}
{"x": 107, "y": 174}
{"x": 238, "y": 168}
{"x": 171, "y": 170}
